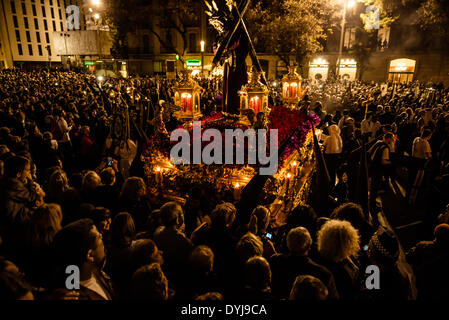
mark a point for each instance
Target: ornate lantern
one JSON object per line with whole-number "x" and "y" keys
{"x": 254, "y": 95}
{"x": 291, "y": 87}
{"x": 187, "y": 97}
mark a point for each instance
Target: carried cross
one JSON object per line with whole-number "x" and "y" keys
{"x": 244, "y": 7}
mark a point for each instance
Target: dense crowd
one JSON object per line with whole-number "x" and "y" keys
{"x": 73, "y": 197}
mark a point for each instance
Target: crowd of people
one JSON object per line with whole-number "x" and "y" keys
{"x": 74, "y": 202}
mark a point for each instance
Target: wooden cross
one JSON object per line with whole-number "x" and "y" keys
{"x": 244, "y": 4}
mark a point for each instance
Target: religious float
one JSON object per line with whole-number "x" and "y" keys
{"x": 284, "y": 188}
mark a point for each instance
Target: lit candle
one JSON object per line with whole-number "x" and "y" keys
{"x": 294, "y": 88}
{"x": 237, "y": 191}
{"x": 183, "y": 102}
{"x": 159, "y": 176}
{"x": 286, "y": 85}
{"x": 288, "y": 178}
{"x": 189, "y": 102}
{"x": 294, "y": 167}
{"x": 257, "y": 105}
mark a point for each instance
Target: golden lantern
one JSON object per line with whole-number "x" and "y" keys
{"x": 254, "y": 95}
{"x": 291, "y": 87}
{"x": 187, "y": 97}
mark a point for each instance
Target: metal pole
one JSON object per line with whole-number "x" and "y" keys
{"x": 340, "y": 49}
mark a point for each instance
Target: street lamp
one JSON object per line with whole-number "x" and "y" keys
{"x": 347, "y": 4}
{"x": 202, "y": 58}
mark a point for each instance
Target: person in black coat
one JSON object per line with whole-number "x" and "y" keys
{"x": 286, "y": 267}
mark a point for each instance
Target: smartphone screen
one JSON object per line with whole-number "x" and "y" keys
{"x": 269, "y": 235}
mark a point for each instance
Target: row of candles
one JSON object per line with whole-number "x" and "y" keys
{"x": 255, "y": 104}
{"x": 290, "y": 90}
{"x": 294, "y": 172}
{"x": 186, "y": 102}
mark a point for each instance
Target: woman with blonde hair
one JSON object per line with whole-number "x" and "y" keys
{"x": 91, "y": 181}
{"x": 133, "y": 199}
{"x": 338, "y": 246}
{"x": 57, "y": 185}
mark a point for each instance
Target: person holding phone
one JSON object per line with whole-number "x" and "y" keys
{"x": 258, "y": 224}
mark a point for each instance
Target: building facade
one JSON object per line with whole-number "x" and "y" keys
{"x": 45, "y": 33}
{"x": 26, "y": 29}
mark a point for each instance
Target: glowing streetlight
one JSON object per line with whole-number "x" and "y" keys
{"x": 202, "y": 57}
{"x": 202, "y": 45}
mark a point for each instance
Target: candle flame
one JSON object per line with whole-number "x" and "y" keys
{"x": 158, "y": 169}
{"x": 289, "y": 175}
{"x": 294, "y": 164}
{"x": 237, "y": 185}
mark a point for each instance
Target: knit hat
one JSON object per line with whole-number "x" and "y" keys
{"x": 384, "y": 245}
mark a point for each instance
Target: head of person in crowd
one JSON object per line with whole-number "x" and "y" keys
{"x": 91, "y": 181}
{"x": 223, "y": 216}
{"x": 307, "y": 287}
{"x": 249, "y": 246}
{"x": 85, "y": 131}
{"x": 123, "y": 230}
{"x": 78, "y": 243}
{"x": 76, "y": 180}
{"x": 58, "y": 183}
{"x": 150, "y": 283}
{"x": 383, "y": 248}
{"x": 107, "y": 176}
{"x": 102, "y": 219}
{"x": 353, "y": 213}
{"x": 143, "y": 252}
{"x": 258, "y": 273}
{"x": 133, "y": 189}
{"x": 303, "y": 215}
{"x": 334, "y": 130}
{"x": 388, "y": 138}
{"x": 17, "y": 167}
{"x": 387, "y": 128}
{"x": 13, "y": 287}
{"x": 4, "y": 149}
{"x": 338, "y": 240}
{"x": 44, "y": 224}
{"x": 426, "y": 134}
{"x": 172, "y": 216}
{"x": 202, "y": 260}
{"x": 299, "y": 241}
{"x": 260, "y": 218}
{"x": 441, "y": 234}
{"x": 210, "y": 296}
